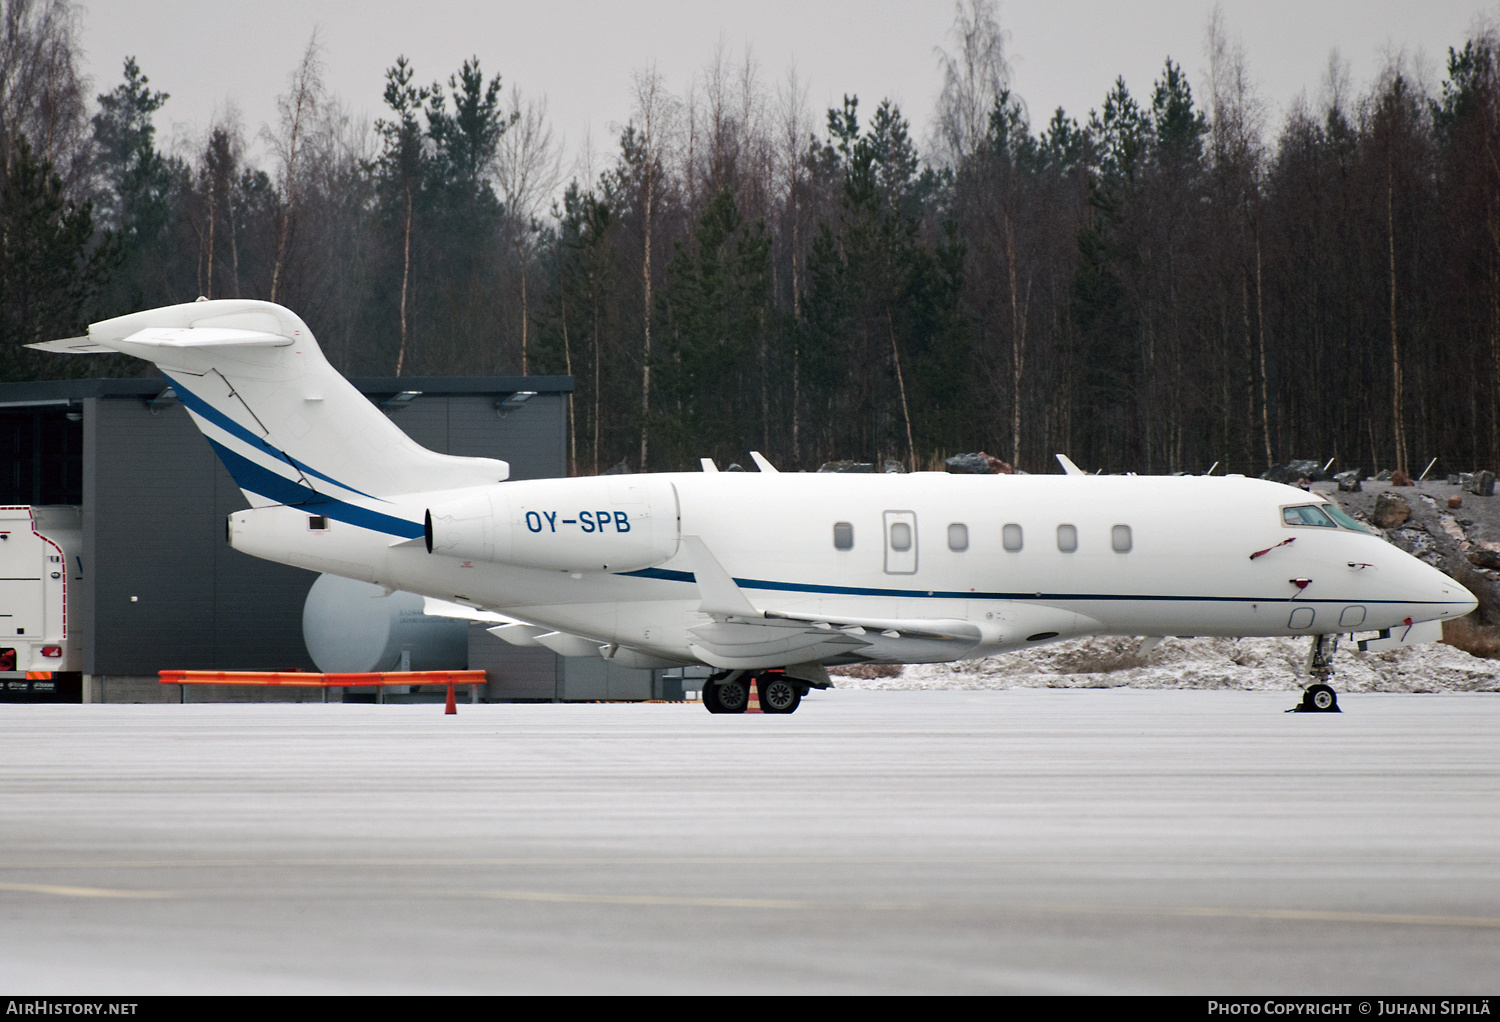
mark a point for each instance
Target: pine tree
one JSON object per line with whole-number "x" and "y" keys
{"x": 51, "y": 265}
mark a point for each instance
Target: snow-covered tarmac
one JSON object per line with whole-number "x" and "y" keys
{"x": 1032, "y": 840}
{"x": 1260, "y": 665}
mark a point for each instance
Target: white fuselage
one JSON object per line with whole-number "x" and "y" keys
{"x": 1187, "y": 569}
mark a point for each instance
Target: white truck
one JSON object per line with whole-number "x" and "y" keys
{"x": 39, "y": 556}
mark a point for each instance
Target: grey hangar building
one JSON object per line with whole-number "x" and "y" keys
{"x": 156, "y": 585}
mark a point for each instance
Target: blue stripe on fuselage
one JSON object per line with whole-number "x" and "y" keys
{"x": 667, "y": 575}
{"x": 262, "y": 481}
{"x": 234, "y": 429}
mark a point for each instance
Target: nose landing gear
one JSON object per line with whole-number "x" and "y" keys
{"x": 1319, "y": 697}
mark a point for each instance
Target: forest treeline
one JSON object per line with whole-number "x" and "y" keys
{"x": 1163, "y": 284}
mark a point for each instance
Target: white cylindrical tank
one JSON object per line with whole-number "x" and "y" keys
{"x": 349, "y": 627}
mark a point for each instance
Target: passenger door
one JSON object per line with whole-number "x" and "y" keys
{"x": 900, "y": 542}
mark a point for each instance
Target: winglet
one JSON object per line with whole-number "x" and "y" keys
{"x": 1068, "y": 467}
{"x": 721, "y": 596}
{"x": 760, "y": 459}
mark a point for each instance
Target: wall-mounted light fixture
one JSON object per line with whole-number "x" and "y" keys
{"x": 401, "y": 400}
{"x": 514, "y": 401}
{"x": 166, "y": 399}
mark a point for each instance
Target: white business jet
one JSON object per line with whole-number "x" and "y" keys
{"x": 765, "y": 576}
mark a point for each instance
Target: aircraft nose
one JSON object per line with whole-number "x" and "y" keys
{"x": 1454, "y": 598}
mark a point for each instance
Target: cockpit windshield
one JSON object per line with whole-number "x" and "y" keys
{"x": 1323, "y": 516}
{"x": 1307, "y": 514}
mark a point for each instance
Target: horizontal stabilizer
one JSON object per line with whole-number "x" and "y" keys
{"x": 207, "y": 337}
{"x": 72, "y": 346}
{"x": 169, "y": 337}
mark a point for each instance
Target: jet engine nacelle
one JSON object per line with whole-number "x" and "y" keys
{"x": 604, "y": 523}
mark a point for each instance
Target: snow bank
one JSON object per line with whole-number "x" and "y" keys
{"x": 1252, "y": 664}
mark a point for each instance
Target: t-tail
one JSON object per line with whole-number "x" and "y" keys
{"x": 285, "y": 424}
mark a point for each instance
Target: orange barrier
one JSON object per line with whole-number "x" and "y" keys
{"x": 299, "y": 679}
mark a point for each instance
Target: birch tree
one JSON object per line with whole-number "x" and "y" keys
{"x": 527, "y": 168}
{"x": 299, "y": 108}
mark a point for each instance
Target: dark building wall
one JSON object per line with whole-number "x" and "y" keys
{"x": 155, "y": 502}
{"x": 530, "y": 437}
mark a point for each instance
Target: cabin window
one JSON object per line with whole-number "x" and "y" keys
{"x": 317, "y": 523}
{"x": 1119, "y": 538}
{"x": 1067, "y": 538}
{"x": 958, "y": 536}
{"x": 843, "y": 536}
{"x": 1011, "y": 537}
{"x": 901, "y": 536}
{"x": 1307, "y": 514}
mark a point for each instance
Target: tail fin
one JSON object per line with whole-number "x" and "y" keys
{"x": 288, "y": 427}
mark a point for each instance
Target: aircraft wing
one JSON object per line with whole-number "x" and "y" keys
{"x": 740, "y": 637}
{"x": 773, "y": 639}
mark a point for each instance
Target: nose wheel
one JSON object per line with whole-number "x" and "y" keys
{"x": 1319, "y": 697}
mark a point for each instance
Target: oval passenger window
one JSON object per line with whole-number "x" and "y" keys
{"x": 1067, "y": 538}
{"x": 843, "y": 536}
{"x": 1011, "y": 535}
{"x": 900, "y": 536}
{"x": 958, "y": 536}
{"x": 1119, "y": 538}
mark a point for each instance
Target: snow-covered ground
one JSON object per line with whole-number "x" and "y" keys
{"x": 1255, "y": 664}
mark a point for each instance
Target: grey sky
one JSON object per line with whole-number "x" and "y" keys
{"x": 580, "y": 53}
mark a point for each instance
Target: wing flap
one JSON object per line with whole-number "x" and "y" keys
{"x": 774, "y": 640}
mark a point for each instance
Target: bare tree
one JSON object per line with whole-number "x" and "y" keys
{"x": 1238, "y": 155}
{"x": 975, "y": 76}
{"x": 299, "y": 107}
{"x": 655, "y": 117}
{"x": 794, "y": 134}
{"x": 526, "y": 169}
{"x": 219, "y": 167}
{"x": 41, "y": 90}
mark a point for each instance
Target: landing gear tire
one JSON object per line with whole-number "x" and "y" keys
{"x": 731, "y": 696}
{"x": 711, "y": 697}
{"x": 1320, "y": 699}
{"x": 777, "y": 694}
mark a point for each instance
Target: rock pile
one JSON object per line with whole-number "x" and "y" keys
{"x": 978, "y": 464}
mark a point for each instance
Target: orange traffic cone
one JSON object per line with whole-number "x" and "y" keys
{"x": 753, "y": 706}
{"x": 452, "y": 705}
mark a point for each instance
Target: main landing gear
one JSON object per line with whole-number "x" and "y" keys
{"x": 1319, "y": 697}
{"x": 729, "y": 692}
